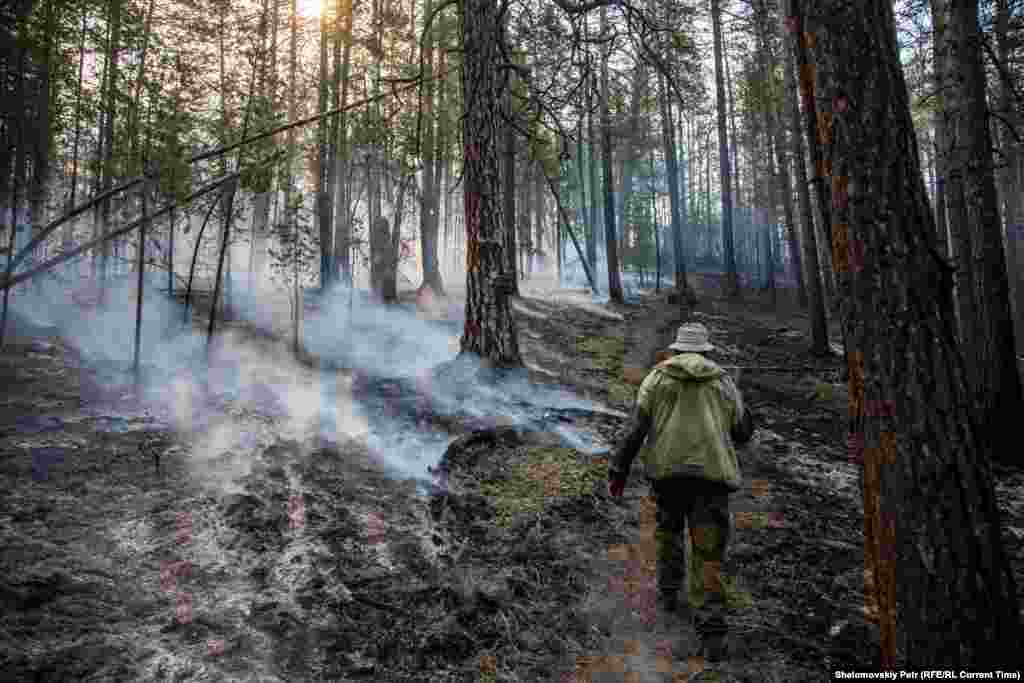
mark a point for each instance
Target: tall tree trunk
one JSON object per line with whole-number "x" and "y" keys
{"x": 954, "y": 158}
{"x": 939, "y": 123}
{"x": 812, "y": 267}
{"x": 707, "y": 206}
{"x": 490, "y": 330}
{"x": 114, "y": 20}
{"x": 584, "y": 212}
{"x": 378, "y": 226}
{"x": 289, "y": 201}
{"x": 654, "y": 221}
{"x": 522, "y": 187}
{"x": 807, "y": 73}
{"x": 324, "y": 161}
{"x": 732, "y": 288}
{"x": 440, "y": 166}
{"x": 734, "y": 142}
{"x": 140, "y": 77}
{"x": 343, "y": 219}
{"x": 776, "y": 150}
{"x": 538, "y": 217}
{"x": 676, "y": 203}
{"x": 997, "y": 379}
{"x": 509, "y": 190}
{"x": 428, "y": 210}
{"x": 927, "y": 478}
{"x": 1009, "y": 185}
{"x": 611, "y": 243}
{"x": 592, "y": 139}
{"x": 632, "y": 142}
{"x": 44, "y": 131}
{"x": 68, "y": 231}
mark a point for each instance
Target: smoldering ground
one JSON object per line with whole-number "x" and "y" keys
{"x": 241, "y": 392}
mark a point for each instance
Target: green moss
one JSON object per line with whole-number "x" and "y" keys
{"x": 547, "y": 473}
{"x": 621, "y": 392}
{"x": 607, "y": 352}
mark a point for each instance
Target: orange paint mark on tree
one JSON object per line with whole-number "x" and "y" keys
{"x": 840, "y": 247}
{"x": 840, "y": 189}
{"x": 855, "y": 362}
{"x": 472, "y": 203}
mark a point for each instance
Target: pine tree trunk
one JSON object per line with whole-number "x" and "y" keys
{"x": 584, "y": 208}
{"x": 939, "y": 123}
{"x": 140, "y": 76}
{"x": 676, "y": 203}
{"x": 44, "y": 131}
{"x": 610, "y": 240}
{"x": 997, "y": 379}
{"x": 114, "y": 19}
{"x": 68, "y": 231}
{"x": 343, "y": 162}
{"x": 734, "y": 142}
{"x": 429, "y": 207}
{"x": 323, "y": 196}
{"x": 632, "y": 142}
{"x": 440, "y": 171}
{"x": 489, "y": 331}
{"x": 290, "y": 213}
{"x": 523, "y": 221}
{"x": 538, "y": 218}
{"x": 594, "y": 226}
{"x": 927, "y": 480}
{"x": 509, "y": 191}
{"x": 809, "y": 241}
{"x": 777, "y": 136}
{"x": 1009, "y": 185}
{"x": 732, "y": 287}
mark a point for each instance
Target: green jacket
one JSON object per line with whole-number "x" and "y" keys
{"x": 691, "y": 412}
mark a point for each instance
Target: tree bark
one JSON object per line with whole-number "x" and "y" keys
{"x": 538, "y": 218}
{"x": 610, "y": 240}
{"x": 290, "y": 213}
{"x": 734, "y": 142}
{"x": 441, "y": 165}
{"x": 939, "y": 123}
{"x": 1009, "y": 179}
{"x": 343, "y": 202}
{"x": 732, "y": 287}
{"x": 490, "y": 331}
{"x": 324, "y": 161}
{"x": 592, "y": 139}
{"x": 927, "y": 479}
{"x": 429, "y": 204}
{"x": 676, "y": 203}
{"x": 632, "y": 142}
{"x": 777, "y": 134}
{"x": 114, "y": 19}
{"x": 509, "y": 180}
{"x": 996, "y": 377}
{"x": 812, "y": 267}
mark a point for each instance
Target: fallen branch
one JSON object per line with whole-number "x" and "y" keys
{"x": 9, "y": 282}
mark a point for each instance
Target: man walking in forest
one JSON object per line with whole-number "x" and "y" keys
{"x": 691, "y": 414}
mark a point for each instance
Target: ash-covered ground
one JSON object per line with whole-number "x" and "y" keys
{"x": 364, "y": 511}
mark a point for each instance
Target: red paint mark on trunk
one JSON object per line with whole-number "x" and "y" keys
{"x": 296, "y": 512}
{"x": 183, "y": 533}
{"x": 183, "y": 609}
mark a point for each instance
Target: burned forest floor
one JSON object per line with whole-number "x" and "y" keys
{"x": 249, "y": 546}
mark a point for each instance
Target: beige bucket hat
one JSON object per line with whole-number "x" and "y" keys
{"x": 693, "y": 338}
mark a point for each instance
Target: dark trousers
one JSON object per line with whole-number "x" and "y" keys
{"x": 703, "y": 506}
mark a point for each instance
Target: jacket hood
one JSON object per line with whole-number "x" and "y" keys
{"x": 691, "y": 367}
